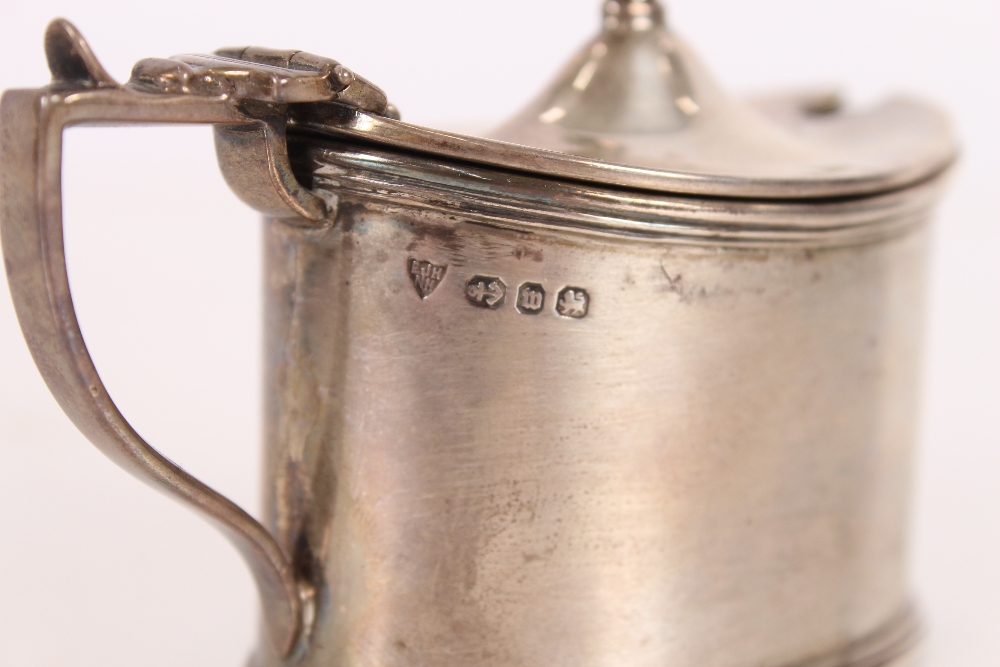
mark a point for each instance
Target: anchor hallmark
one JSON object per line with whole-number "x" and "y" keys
{"x": 486, "y": 292}
{"x": 426, "y": 276}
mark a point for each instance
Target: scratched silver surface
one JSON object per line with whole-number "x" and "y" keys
{"x": 710, "y": 468}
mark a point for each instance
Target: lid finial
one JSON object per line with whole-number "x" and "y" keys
{"x": 633, "y": 15}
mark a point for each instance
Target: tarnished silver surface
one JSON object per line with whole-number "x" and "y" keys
{"x": 526, "y": 408}
{"x": 710, "y": 465}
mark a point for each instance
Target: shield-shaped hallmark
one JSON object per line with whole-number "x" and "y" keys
{"x": 426, "y": 276}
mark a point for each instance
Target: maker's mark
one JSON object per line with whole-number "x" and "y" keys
{"x": 426, "y": 276}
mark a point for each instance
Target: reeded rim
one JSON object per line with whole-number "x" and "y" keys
{"x": 527, "y": 201}
{"x": 636, "y": 108}
{"x": 330, "y": 120}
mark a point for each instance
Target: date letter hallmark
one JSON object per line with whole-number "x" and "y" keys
{"x": 426, "y": 277}
{"x": 530, "y": 299}
{"x": 486, "y": 292}
{"x": 573, "y": 302}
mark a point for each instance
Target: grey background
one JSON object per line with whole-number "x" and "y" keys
{"x": 96, "y": 569}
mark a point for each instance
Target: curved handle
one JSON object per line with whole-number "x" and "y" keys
{"x": 31, "y": 127}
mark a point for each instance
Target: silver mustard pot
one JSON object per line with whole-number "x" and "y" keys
{"x": 630, "y": 384}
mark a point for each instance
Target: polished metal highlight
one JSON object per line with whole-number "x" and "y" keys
{"x": 632, "y": 384}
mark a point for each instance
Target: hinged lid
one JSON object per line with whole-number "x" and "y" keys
{"x": 635, "y": 108}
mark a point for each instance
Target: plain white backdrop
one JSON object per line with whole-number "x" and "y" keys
{"x": 96, "y": 569}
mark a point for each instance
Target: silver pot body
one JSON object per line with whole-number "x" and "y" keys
{"x": 711, "y": 467}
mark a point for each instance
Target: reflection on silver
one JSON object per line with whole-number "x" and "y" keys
{"x": 687, "y": 105}
{"x": 582, "y": 79}
{"x": 553, "y": 115}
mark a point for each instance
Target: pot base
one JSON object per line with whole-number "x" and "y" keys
{"x": 896, "y": 644}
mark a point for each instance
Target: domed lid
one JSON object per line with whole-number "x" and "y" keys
{"x": 636, "y": 108}
{"x": 637, "y": 95}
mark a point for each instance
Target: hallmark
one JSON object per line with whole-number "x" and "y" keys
{"x": 426, "y": 276}
{"x": 530, "y": 299}
{"x": 486, "y": 292}
{"x": 573, "y": 302}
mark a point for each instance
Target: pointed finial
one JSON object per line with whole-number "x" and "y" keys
{"x": 633, "y": 15}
